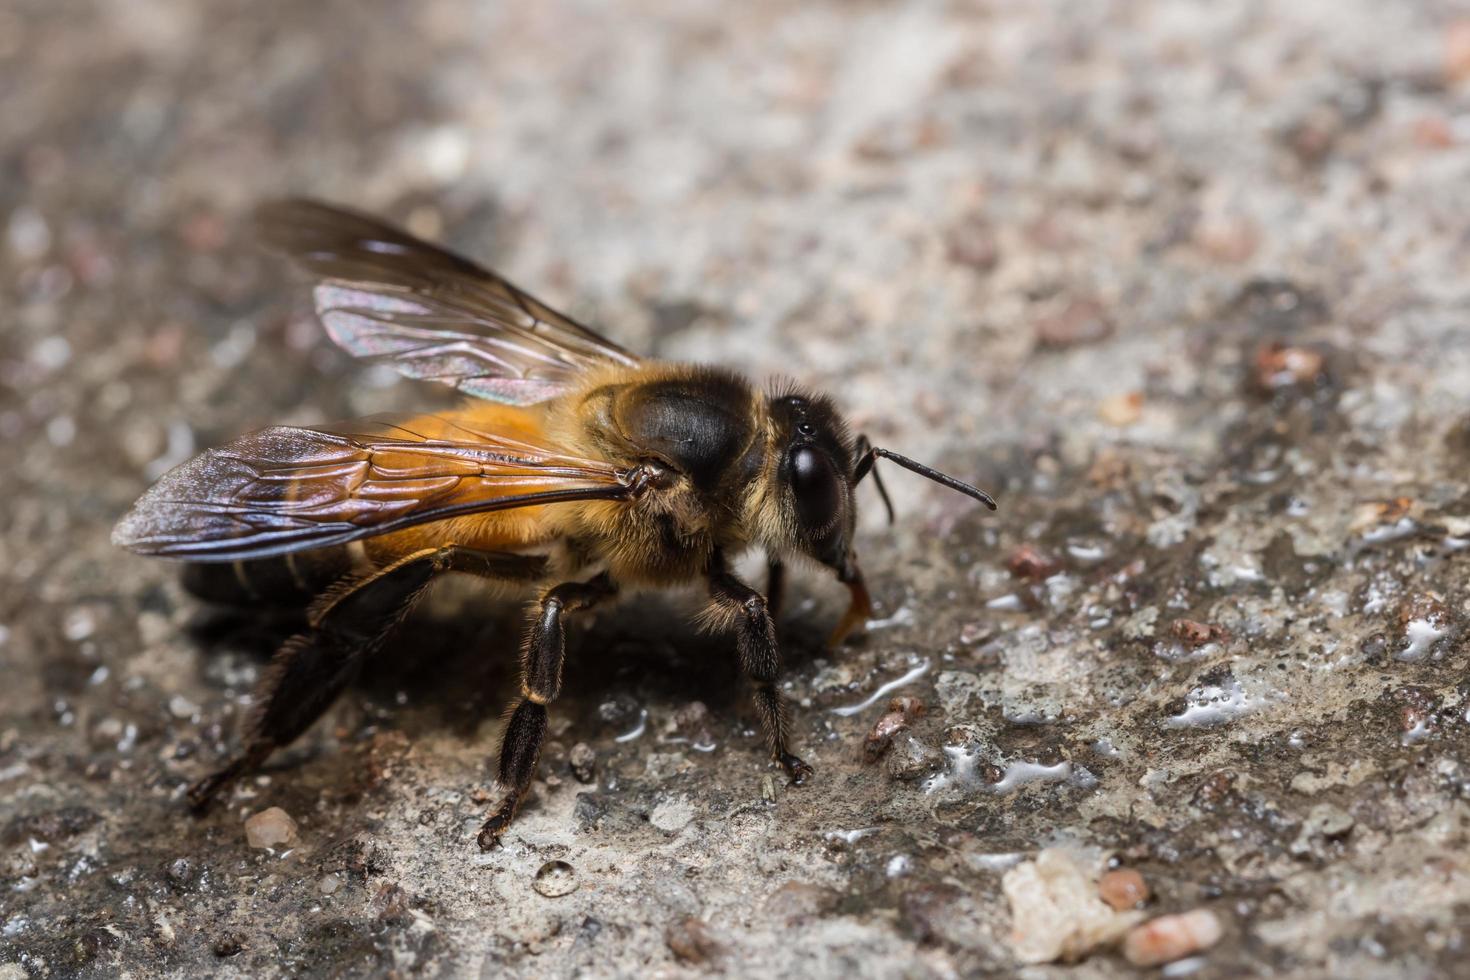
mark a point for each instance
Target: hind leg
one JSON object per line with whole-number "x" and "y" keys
{"x": 541, "y": 664}
{"x": 347, "y": 625}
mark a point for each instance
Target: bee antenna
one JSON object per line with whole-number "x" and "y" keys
{"x": 870, "y": 454}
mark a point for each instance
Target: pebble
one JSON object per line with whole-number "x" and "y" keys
{"x": 901, "y": 713}
{"x": 1080, "y": 322}
{"x": 913, "y": 759}
{"x": 1197, "y": 634}
{"x": 181, "y": 707}
{"x": 329, "y": 884}
{"x": 1121, "y": 410}
{"x": 1326, "y": 821}
{"x": 692, "y": 941}
{"x": 972, "y": 243}
{"x": 1123, "y": 888}
{"x": 555, "y": 879}
{"x": 1056, "y": 913}
{"x": 798, "y": 901}
{"x": 1172, "y": 937}
{"x": 1031, "y": 564}
{"x": 1281, "y": 366}
{"x": 583, "y": 761}
{"x": 671, "y": 815}
{"x": 270, "y": 828}
{"x": 1457, "y": 51}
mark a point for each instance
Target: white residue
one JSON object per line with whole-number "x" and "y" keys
{"x": 872, "y": 699}
{"x": 1422, "y": 634}
{"x": 903, "y": 617}
{"x": 999, "y": 861}
{"x": 637, "y": 730}
{"x": 850, "y": 836}
{"x": 1212, "y": 704}
{"x": 1018, "y": 774}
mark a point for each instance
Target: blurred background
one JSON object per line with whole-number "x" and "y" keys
{"x": 1185, "y": 284}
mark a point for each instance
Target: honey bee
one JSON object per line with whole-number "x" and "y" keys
{"x": 574, "y": 470}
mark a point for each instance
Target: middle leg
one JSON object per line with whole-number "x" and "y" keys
{"x": 541, "y": 663}
{"x": 760, "y": 658}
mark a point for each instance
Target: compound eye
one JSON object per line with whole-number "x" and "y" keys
{"x": 814, "y": 483}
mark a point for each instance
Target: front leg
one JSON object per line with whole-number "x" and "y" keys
{"x": 760, "y": 658}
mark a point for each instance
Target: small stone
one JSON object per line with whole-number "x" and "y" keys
{"x": 1197, "y": 634}
{"x": 1079, "y": 322}
{"x": 692, "y": 722}
{"x": 180, "y": 872}
{"x": 329, "y": 884}
{"x": 1031, "y": 564}
{"x": 13, "y": 971}
{"x": 880, "y": 736}
{"x": 901, "y": 713}
{"x": 1121, "y": 410}
{"x": 1325, "y": 822}
{"x": 1457, "y": 51}
{"x": 182, "y": 708}
{"x": 913, "y": 759}
{"x": 555, "y": 879}
{"x": 1281, "y": 366}
{"x": 391, "y": 901}
{"x": 972, "y": 243}
{"x": 583, "y": 762}
{"x": 797, "y": 901}
{"x": 1056, "y": 913}
{"x": 1227, "y": 238}
{"x": 1172, "y": 937}
{"x": 672, "y": 814}
{"x": 692, "y": 941}
{"x": 1123, "y": 888}
{"x": 270, "y": 828}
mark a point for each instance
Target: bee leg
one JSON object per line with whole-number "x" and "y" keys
{"x": 541, "y": 663}
{"x": 760, "y": 659}
{"x": 349, "y": 622}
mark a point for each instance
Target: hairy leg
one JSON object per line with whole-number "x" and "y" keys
{"x": 348, "y": 623}
{"x": 760, "y": 658}
{"x": 541, "y": 666}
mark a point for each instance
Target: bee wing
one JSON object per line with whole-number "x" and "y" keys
{"x": 287, "y": 489}
{"x": 388, "y": 296}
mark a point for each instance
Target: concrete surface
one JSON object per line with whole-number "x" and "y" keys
{"x": 1184, "y": 284}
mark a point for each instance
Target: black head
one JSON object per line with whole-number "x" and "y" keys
{"x": 815, "y": 477}
{"x": 820, "y": 467}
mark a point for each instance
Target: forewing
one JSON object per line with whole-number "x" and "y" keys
{"x": 286, "y": 489}
{"x": 388, "y": 296}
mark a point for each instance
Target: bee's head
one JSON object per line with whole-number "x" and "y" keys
{"x": 815, "y": 478}
{"x": 819, "y": 467}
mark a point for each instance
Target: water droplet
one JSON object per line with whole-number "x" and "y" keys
{"x": 555, "y": 879}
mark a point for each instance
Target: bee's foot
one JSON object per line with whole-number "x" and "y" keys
{"x": 498, "y": 824}
{"x": 798, "y": 771}
{"x": 202, "y": 794}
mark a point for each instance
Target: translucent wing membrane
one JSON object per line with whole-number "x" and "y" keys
{"x": 285, "y": 489}
{"x": 388, "y": 296}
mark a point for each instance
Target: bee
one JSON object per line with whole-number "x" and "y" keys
{"x": 572, "y": 471}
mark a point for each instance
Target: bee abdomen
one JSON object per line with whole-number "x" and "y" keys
{"x": 289, "y": 579}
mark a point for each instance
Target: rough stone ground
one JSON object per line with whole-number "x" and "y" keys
{"x": 1185, "y": 284}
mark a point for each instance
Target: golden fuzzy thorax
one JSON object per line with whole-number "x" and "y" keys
{"x": 665, "y": 536}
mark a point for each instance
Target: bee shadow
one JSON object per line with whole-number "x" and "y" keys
{"x": 453, "y": 670}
